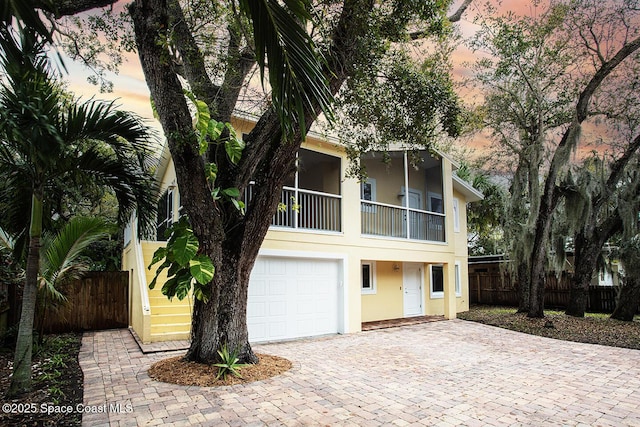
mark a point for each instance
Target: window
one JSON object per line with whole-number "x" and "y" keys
{"x": 456, "y": 215}
{"x": 435, "y": 203}
{"x": 437, "y": 281}
{"x": 458, "y": 280}
{"x": 368, "y": 277}
{"x": 368, "y": 193}
{"x": 368, "y": 190}
{"x": 165, "y": 215}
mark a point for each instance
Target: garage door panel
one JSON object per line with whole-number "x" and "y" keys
{"x": 300, "y": 298}
{"x": 277, "y": 330}
{"x": 277, "y": 309}
{"x": 277, "y": 267}
{"x": 277, "y": 287}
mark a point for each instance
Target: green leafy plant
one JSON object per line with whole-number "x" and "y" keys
{"x": 185, "y": 265}
{"x": 282, "y": 207}
{"x": 229, "y": 363}
{"x": 57, "y": 394}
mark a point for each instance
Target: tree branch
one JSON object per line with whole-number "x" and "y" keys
{"x": 73, "y": 7}
{"x": 192, "y": 60}
{"x": 455, "y": 17}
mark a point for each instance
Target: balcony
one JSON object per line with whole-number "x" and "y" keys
{"x": 380, "y": 219}
{"x": 307, "y": 210}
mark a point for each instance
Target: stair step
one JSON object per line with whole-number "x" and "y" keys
{"x": 170, "y": 328}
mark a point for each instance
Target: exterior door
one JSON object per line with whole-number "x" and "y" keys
{"x": 412, "y": 285}
{"x": 415, "y": 202}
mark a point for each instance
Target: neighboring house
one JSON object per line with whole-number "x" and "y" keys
{"x": 393, "y": 246}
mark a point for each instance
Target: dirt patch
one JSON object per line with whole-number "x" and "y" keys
{"x": 594, "y": 328}
{"x": 57, "y": 382}
{"x": 176, "y": 370}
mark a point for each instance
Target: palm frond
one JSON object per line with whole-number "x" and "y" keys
{"x": 134, "y": 188}
{"x": 295, "y": 67}
{"x": 26, "y": 13}
{"x": 7, "y": 242}
{"x": 59, "y": 261}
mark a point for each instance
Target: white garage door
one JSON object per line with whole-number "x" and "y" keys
{"x": 292, "y": 298}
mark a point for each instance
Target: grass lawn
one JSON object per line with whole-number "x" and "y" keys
{"x": 594, "y": 328}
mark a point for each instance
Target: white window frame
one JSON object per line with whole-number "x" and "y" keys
{"x": 168, "y": 214}
{"x": 438, "y": 294}
{"x": 456, "y": 215}
{"x": 431, "y": 196}
{"x": 372, "y": 183}
{"x": 458, "y": 275}
{"x": 372, "y": 278}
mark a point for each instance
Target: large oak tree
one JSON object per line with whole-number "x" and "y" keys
{"x": 352, "y": 36}
{"x": 544, "y": 82}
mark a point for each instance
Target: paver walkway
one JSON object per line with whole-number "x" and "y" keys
{"x": 442, "y": 374}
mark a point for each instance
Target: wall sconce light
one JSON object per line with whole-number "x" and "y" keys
{"x": 396, "y": 267}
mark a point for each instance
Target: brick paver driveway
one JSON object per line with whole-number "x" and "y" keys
{"x": 444, "y": 373}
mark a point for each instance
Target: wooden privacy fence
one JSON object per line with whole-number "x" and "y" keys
{"x": 497, "y": 288}
{"x": 100, "y": 300}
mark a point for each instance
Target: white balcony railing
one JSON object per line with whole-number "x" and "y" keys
{"x": 306, "y": 209}
{"x": 380, "y": 219}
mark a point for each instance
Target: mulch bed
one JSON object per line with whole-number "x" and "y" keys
{"x": 593, "y": 328}
{"x": 176, "y": 370}
{"x": 55, "y": 386}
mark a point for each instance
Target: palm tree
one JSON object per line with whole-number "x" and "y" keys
{"x": 48, "y": 138}
{"x": 61, "y": 258}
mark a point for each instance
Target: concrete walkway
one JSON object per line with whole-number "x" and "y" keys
{"x": 446, "y": 373}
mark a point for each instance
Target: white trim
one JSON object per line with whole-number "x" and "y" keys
{"x": 456, "y": 215}
{"x": 343, "y": 283}
{"x": 142, "y": 278}
{"x": 372, "y": 183}
{"x": 458, "y": 278}
{"x": 438, "y": 196}
{"x": 468, "y": 191}
{"x": 372, "y": 278}
{"x": 432, "y": 294}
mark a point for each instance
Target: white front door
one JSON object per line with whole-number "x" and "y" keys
{"x": 412, "y": 285}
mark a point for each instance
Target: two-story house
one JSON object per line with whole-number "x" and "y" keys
{"x": 341, "y": 253}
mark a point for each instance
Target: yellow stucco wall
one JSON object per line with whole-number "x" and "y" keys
{"x": 352, "y": 247}
{"x": 386, "y": 302}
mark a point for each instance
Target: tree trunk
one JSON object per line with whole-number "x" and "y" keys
{"x": 21, "y": 379}
{"x": 537, "y": 269}
{"x": 588, "y": 247}
{"x": 628, "y": 300}
{"x": 586, "y": 255}
{"x": 222, "y": 322}
{"x": 538, "y": 281}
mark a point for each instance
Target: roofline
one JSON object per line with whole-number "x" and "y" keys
{"x": 467, "y": 189}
